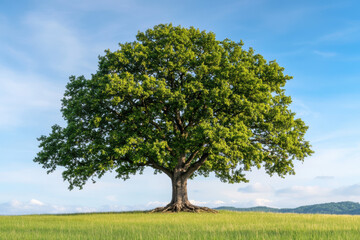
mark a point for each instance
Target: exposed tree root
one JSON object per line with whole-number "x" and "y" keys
{"x": 182, "y": 207}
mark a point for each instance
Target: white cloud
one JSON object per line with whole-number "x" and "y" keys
{"x": 293, "y": 196}
{"x": 197, "y": 202}
{"x": 219, "y": 202}
{"x": 262, "y": 202}
{"x": 85, "y": 209}
{"x": 155, "y": 204}
{"x": 118, "y": 208}
{"x": 35, "y": 206}
{"x": 36, "y": 202}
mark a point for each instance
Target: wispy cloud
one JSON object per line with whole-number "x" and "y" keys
{"x": 325, "y": 54}
{"x": 60, "y": 46}
{"x": 105, "y": 5}
{"x": 341, "y": 133}
{"x": 342, "y": 35}
{"x": 25, "y": 93}
{"x": 255, "y": 188}
{"x": 219, "y": 202}
{"x": 262, "y": 202}
{"x": 303, "y": 109}
{"x": 303, "y": 191}
{"x": 324, "y": 177}
{"x": 352, "y": 190}
{"x": 111, "y": 198}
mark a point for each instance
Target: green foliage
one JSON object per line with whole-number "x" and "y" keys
{"x": 176, "y": 99}
{"x": 224, "y": 225}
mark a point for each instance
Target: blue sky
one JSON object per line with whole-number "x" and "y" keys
{"x": 42, "y": 43}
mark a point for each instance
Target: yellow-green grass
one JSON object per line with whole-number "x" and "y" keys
{"x": 224, "y": 225}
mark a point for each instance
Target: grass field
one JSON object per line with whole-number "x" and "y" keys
{"x": 224, "y": 225}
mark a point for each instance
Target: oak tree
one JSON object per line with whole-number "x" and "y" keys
{"x": 183, "y": 103}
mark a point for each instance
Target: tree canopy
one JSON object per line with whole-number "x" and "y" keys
{"x": 181, "y": 102}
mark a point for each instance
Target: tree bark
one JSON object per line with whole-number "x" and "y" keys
{"x": 179, "y": 201}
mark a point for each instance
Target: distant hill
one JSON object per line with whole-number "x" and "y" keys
{"x": 251, "y": 209}
{"x": 350, "y": 208}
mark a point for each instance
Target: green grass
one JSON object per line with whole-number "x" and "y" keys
{"x": 224, "y": 225}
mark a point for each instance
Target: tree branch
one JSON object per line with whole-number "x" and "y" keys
{"x": 191, "y": 119}
{"x": 195, "y": 166}
{"x": 179, "y": 122}
{"x": 157, "y": 126}
{"x": 150, "y": 163}
{"x": 119, "y": 115}
{"x": 161, "y": 168}
{"x": 188, "y": 161}
{"x": 192, "y": 156}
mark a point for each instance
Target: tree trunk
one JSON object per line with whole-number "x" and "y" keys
{"x": 179, "y": 201}
{"x": 179, "y": 192}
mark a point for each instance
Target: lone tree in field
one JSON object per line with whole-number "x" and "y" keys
{"x": 183, "y": 103}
